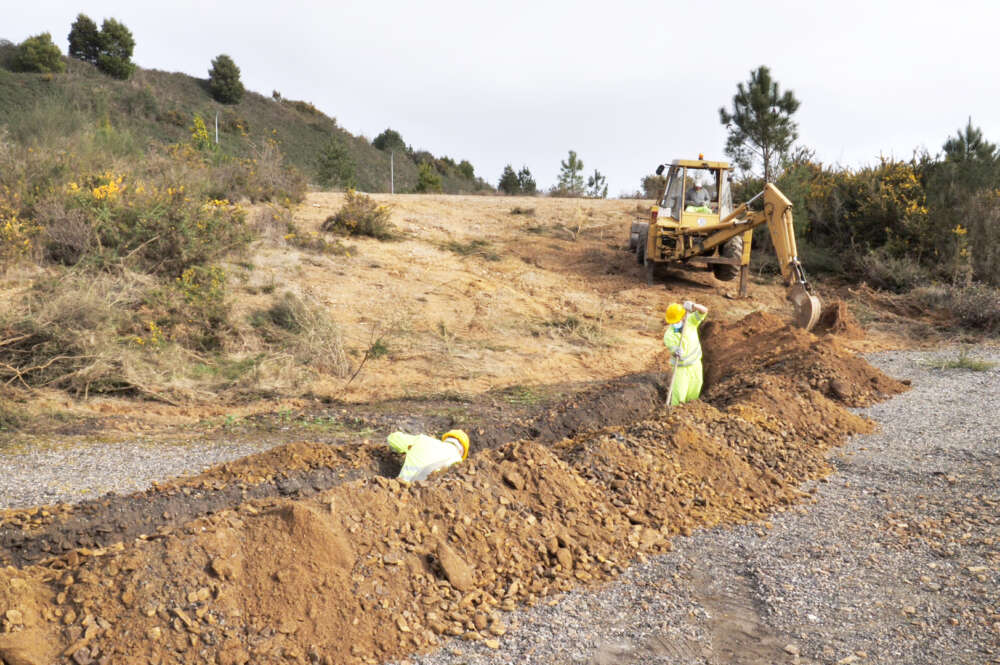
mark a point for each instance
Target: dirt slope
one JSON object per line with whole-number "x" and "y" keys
{"x": 372, "y": 568}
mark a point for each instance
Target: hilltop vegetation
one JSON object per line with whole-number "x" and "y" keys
{"x": 41, "y": 109}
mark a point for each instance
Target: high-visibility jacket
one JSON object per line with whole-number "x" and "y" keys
{"x": 424, "y": 454}
{"x": 688, "y": 371}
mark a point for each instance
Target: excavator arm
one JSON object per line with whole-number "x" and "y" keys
{"x": 777, "y": 214}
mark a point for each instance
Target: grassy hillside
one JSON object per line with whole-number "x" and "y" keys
{"x": 38, "y": 109}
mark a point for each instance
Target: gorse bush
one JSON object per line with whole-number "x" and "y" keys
{"x": 192, "y": 310}
{"x": 163, "y": 230}
{"x": 361, "y": 216}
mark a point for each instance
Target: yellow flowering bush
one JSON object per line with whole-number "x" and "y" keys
{"x": 199, "y": 134}
{"x": 17, "y": 235}
{"x": 193, "y": 309}
{"x": 361, "y": 216}
{"x": 166, "y": 229}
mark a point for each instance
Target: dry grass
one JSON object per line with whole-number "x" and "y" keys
{"x": 303, "y": 328}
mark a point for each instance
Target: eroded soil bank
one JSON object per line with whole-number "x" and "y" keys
{"x": 368, "y": 568}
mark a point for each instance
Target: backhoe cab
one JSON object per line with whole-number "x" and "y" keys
{"x": 693, "y": 224}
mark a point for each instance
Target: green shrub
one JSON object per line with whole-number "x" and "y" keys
{"x": 160, "y": 228}
{"x": 335, "y": 168}
{"x": 263, "y": 177}
{"x": 361, "y": 216}
{"x": 224, "y": 80}
{"x": 978, "y": 307}
{"x": 427, "y": 179}
{"x": 652, "y": 186}
{"x": 305, "y": 108}
{"x": 983, "y": 242}
{"x": 313, "y": 242}
{"x": 193, "y": 309}
{"x": 472, "y": 247}
{"x": 38, "y": 54}
{"x": 898, "y": 274}
{"x": 8, "y": 51}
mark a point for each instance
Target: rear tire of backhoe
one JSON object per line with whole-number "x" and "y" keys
{"x": 733, "y": 249}
{"x": 640, "y": 248}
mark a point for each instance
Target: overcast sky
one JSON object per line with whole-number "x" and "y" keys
{"x": 626, "y": 84}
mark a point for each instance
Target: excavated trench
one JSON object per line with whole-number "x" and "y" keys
{"x": 335, "y": 562}
{"x": 27, "y": 536}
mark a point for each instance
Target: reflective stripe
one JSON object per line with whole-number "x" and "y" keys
{"x": 687, "y": 360}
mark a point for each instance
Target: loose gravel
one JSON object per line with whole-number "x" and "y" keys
{"x": 71, "y": 471}
{"x": 897, "y": 560}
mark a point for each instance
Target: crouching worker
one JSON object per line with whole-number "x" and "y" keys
{"x": 681, "y": 339}
{"x": 425, "y": 454}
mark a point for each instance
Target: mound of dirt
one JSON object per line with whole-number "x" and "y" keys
{"x": 372, "y": 568}
{"x": 738, "y": 355}
{"x": 836, "y": 319}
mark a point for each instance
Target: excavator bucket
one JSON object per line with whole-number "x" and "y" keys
{"x": 807, "y": 306}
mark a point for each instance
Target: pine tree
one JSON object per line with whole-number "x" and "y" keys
{"x": 335, "y": 167}
{"x": 597, "y": 186}
{"x": 969, "y": 145}
{"x": 509, "y": 183}
{"x": 570, "y": 181}
{"x": 652, "y": 186}
{"x": 428, "y": 179}
{"x": 224, "y": 80}
{"x": 84, "y": 39}
{"x": 760, "y": 125}
{"x": 389, "y": 140}
{"x": 117, "y": 44}
{"x": 466, "y": 169}
{"x": 526, "y": 182}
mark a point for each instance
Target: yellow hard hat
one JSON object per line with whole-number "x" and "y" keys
{"x": 459, "y": 436}
{"x": 675, "y": 312}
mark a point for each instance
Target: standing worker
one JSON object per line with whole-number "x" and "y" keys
{"x": 681, "y": 339}
{"x": 425, "y": 454}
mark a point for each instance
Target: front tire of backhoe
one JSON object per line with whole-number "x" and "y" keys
{"x": 733, "y": 249}
{"x": 640, "y": 248}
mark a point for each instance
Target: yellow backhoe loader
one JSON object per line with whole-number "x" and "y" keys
{"x": 694, "y": 224}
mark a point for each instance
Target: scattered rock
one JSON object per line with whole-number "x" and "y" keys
{"x": 456, "y": 570}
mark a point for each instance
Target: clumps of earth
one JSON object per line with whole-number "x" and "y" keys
{"x": 372, "y": 568}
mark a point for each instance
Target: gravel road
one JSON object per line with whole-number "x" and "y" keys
{"x": 897, "y": 561}
{"x": 72, "y": 470}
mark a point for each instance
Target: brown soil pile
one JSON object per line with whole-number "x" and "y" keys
{"x": 836, "y": 319}
{"x": 739, "y": 356}
{"x": 374, "y": 568}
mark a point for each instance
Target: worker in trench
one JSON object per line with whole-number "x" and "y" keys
{"x": 681, "y": 340}
{"x": 424, "y": 454}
